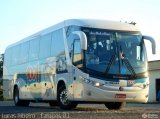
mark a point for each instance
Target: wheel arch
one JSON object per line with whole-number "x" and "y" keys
{"x": 67, "y": 104}
{"x": 14, "y": 88}
{"x": 60, "y": 83}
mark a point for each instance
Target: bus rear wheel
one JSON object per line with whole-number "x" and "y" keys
{"x": 62, "y": 99}
{"x": 114, "y": 105}
{"x": 17, "y": 101}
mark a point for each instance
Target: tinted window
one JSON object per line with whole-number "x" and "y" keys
{"x": 77, "y": 57}
{"x": 34, "y": 49}
{"x": 45, "y": 46}
{"x": 24, "y": 52}
{"x": 7, "y": 57}
{"x": 57, "y": 46}
{"x": 70, "y": 36}
{"x": 101, "y": 53}
{"x": 15, "y": 55}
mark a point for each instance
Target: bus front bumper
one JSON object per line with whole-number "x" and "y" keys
{"x": 101, "y": 94}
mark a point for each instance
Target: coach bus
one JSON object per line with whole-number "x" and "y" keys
{"x": 79, "y": 61}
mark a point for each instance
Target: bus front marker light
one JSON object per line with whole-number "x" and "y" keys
{"x": 145, "y": 85}
{"x": 147, "y": 96}
{"x": 87, "y": 81}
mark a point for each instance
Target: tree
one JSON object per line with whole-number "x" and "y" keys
{"x": 1, "y": 74}
{"x": 1, "y": 65}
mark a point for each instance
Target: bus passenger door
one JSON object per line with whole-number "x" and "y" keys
{"x": 77, "y": 68}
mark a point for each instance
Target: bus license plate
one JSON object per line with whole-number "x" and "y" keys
{"x": 121, "y": 96}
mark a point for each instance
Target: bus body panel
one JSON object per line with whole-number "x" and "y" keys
{"x": 37, "y": 77}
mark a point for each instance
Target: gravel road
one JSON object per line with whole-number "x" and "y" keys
{"x": 83, "y": 111}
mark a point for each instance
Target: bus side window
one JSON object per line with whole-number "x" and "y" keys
{"x": 45, "y": 46}
{"x": 24, "y": 52}
{"x": 77, "y": 56}
{"x": 34, "y": 49}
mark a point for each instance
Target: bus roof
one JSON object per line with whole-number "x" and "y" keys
{"x": 91, "y": 23}
{"x": 102, "y": 24}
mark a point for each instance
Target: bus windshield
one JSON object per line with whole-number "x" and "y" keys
{"x": 115, "y": 53}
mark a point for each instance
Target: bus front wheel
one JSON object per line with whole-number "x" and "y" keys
{"x": 62, "y": 99}
{"x": 114, "y": 105}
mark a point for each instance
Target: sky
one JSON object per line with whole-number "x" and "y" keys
{"x": 21, "y": 18}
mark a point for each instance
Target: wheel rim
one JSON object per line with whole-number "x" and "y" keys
{"x": 63, "y": 97}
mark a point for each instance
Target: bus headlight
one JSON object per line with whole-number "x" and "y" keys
{"x": 97, "y": 84}
{"x": 88, "y": 81}
{"x": 146, "y": 74}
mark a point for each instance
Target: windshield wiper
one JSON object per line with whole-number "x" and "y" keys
{"x": 110, "y": 63}
{"x": 127, "y": 63}
{"x": 129, "y": 67}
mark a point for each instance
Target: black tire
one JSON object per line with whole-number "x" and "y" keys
{"x": 115, "y": 105}
{"x": 53, "y": 103}
{"x": 63, "y": 102}
{"x": 17, "y": 101}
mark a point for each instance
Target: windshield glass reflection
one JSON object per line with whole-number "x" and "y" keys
{"x": 115, "y": 52}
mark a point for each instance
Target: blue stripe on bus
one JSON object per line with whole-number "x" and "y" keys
{"x": 63, "y": 71}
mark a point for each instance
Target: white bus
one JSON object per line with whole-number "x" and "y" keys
{"x": 79, "y": 61}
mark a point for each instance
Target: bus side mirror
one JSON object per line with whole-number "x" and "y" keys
{"x": 83, "y": 39}
{"x": 152, "y": 42}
